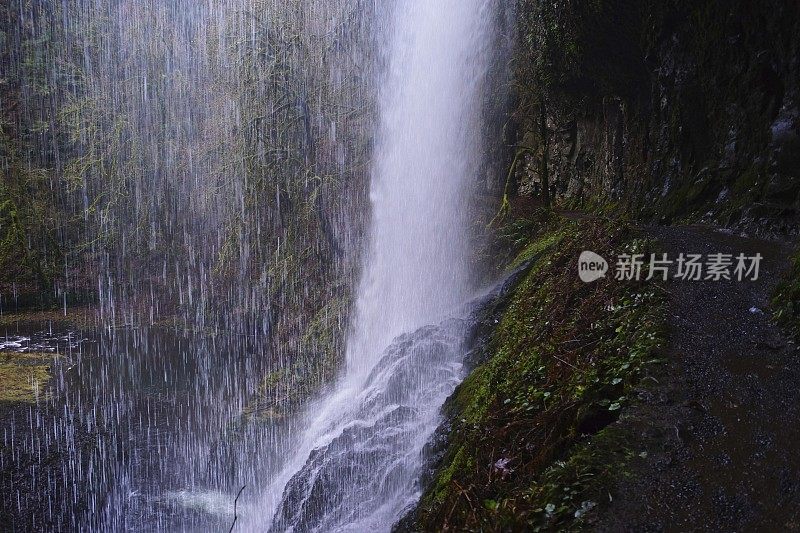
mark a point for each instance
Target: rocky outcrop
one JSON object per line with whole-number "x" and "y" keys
{"x": 675, "y": 110}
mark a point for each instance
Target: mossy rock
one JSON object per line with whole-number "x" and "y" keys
{"x": 532, "y": 436}
{"x": 24, "y": 377}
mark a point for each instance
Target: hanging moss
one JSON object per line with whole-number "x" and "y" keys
{"x": 320, "y": 354}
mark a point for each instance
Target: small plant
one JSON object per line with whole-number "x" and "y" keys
{"x": 786, "y": 301}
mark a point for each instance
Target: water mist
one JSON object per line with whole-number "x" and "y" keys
{"x": 358, "y": 461}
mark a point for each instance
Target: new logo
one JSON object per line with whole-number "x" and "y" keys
{"x": 591, "y": 266}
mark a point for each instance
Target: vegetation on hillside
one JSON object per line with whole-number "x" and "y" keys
{"x": 533, "y": 440}
{"x": 212, "y": 178}
{"x": 786, "y": 301}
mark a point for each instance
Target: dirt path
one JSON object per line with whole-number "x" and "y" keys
{"x": 723, "y": 423}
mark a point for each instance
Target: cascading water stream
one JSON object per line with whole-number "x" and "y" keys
{"x": 214, "y": 151}
{"x": 357, "y": 462}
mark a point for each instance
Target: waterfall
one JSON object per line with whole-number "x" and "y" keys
{"x": 427, "y": 146}
{"x": 358, "y": 459}
{"x": 210, "y": 161}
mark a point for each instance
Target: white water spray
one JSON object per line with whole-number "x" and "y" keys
{"x": 426, "y": 155}
{"x": 357, "y": 463}
{"x": 214, "y": 151}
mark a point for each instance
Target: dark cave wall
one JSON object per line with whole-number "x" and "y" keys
{"x": 671, "y": 110}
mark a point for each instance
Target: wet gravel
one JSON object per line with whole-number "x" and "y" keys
{"x": 722, "y": 425}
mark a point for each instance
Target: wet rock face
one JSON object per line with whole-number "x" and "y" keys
{"x": 382, "y": 431}
{"x": 704, "y": 101}
{"x": 784, "y": 155}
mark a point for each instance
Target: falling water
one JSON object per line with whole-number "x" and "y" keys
{"x": 358, "y": 460}
{"x": 209, "y": 159}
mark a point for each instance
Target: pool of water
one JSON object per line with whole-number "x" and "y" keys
{"x": 131, "y": 428}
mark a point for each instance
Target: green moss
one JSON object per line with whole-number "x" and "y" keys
{"x": 746, "y": 183}
{"x": 537, "y": 247}
{"x": 533, "y": 441}
{"x": 316, "y": 364}
{"x": 786, "y": 301}
{"x": 568, "y": 491}
{"x": 27, "y": 357}
{"x": 689, "y": 199}
{"x": 75, "y": 317}
{"x": 446, "y": 481}
{"x": 472, "y": 396}
{"x": 24, "y": 376}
